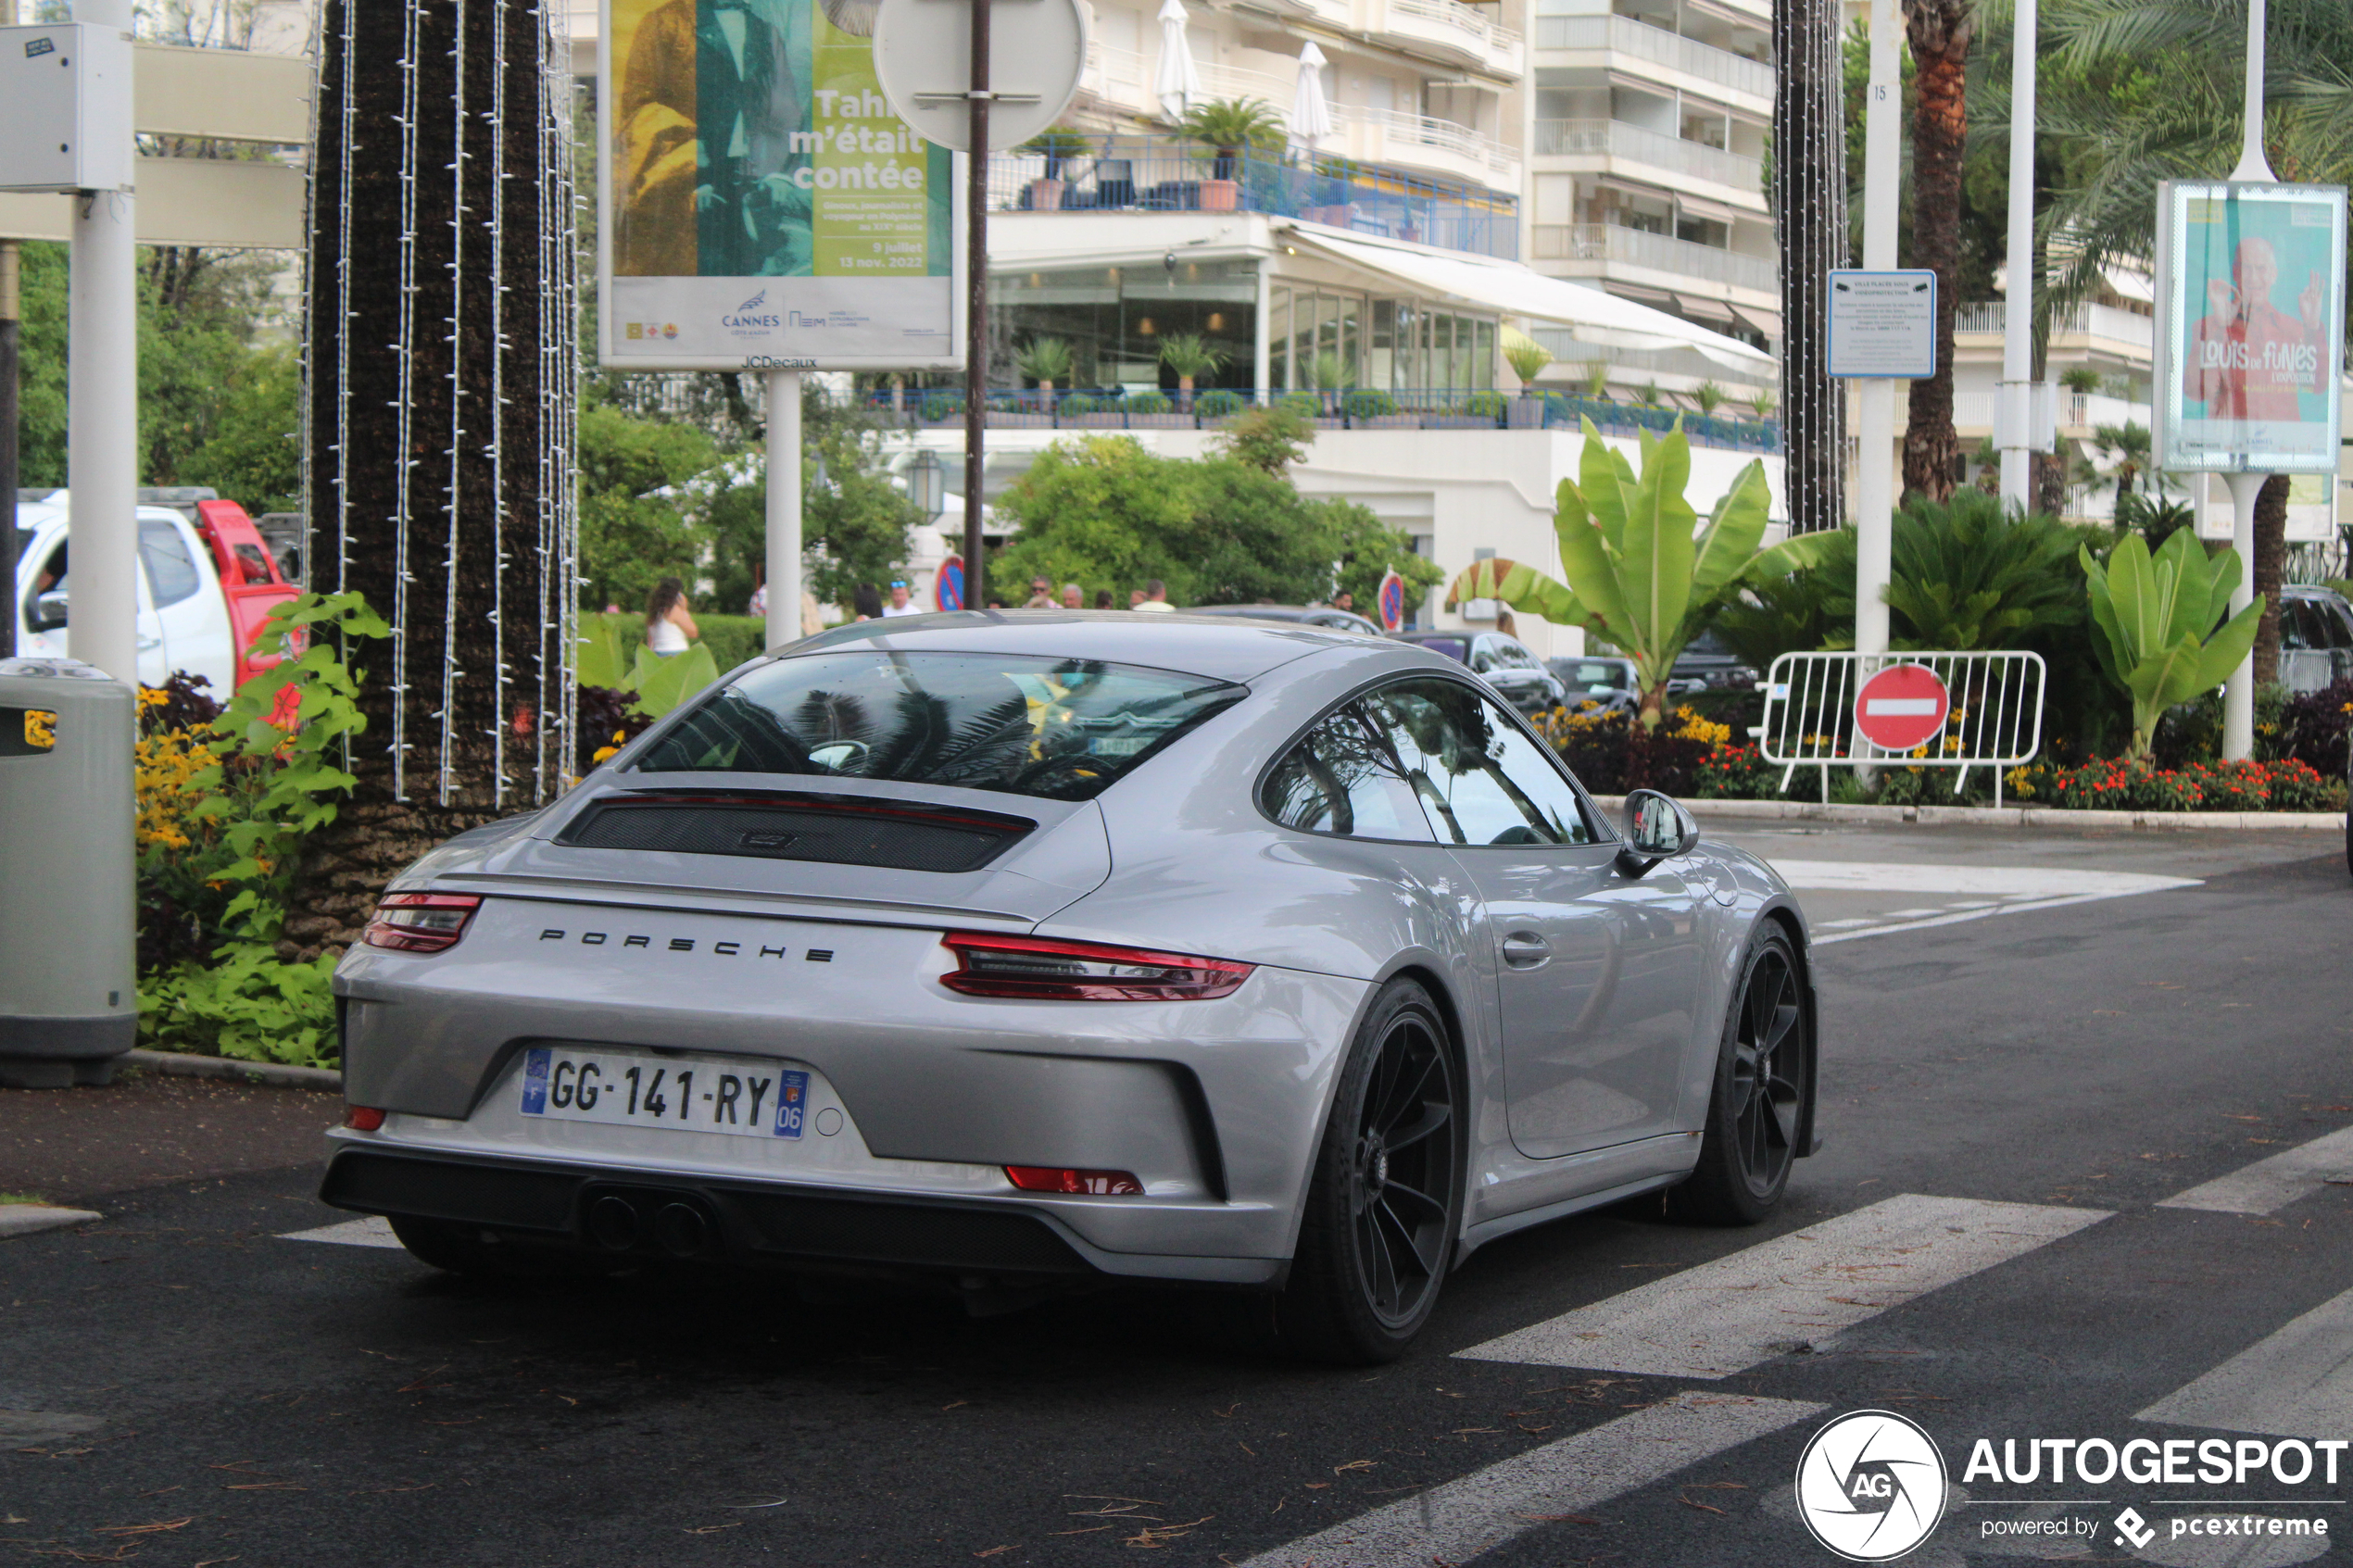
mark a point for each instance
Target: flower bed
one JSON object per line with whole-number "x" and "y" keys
{"x": 2121, "y": 784}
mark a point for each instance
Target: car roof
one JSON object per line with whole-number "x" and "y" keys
{"x": 1225, "y": 648}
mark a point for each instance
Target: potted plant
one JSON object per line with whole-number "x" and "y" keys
{"x": 1597, "y": 380}
{"x": 1044, "y": 361}
{"x": 1187, "y": 356}
{"x": 1155, "y": 411}
{"x": 1709, "y": 396}
{"x": 1528, "y": 359}
{"x": 1332, "y": 376}
{"x": 1227, "y": 127}
{"x": 1057, "y": 146}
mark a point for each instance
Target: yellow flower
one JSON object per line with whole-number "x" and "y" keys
{"x": 40, "y": 728}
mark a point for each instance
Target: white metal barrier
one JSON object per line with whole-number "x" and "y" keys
{"x": 1993, "y": 717}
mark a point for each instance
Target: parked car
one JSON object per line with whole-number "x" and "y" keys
{"x": 206, "y": 582}
{"x": 2316, "y": 637}
{"x": 1310, "y": 615}
{"x": 1705, "y": 664}
{"x": 1500, "y": 659}
{"x": 1029, "y": 955}
{"x": 1609, "y": 683}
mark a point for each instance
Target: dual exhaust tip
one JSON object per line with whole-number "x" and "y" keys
{"x": 672, "y": 1226}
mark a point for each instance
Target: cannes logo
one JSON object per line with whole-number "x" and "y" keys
{"x": 755, "y": 302}
{"x": 1870, "y": 1486}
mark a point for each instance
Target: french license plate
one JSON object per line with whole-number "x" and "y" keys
{"x": 638, "y": 1091}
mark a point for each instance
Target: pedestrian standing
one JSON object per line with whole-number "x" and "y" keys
{"x": 899, "y": 604}
{"x": 1156, "y": 597}
{"x": 1073, "y": 596}
{"x": 1103, "y": 598}
{"x": 865, "y": 602}
{"x": 669, "y": 625}
{"x": 1041, "y": 593}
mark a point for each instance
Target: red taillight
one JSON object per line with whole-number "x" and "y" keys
{"x": 1055, "y": 1178}
{"x": 419, "y": 923}
{"x": 363, "y": 1118}
{"x": 1040, "y": 969}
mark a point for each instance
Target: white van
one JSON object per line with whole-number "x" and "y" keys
{"x": 183, "y": 618}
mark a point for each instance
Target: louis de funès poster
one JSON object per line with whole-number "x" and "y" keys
{"x": 760, "y": 203}
{"x": 2252, "y": 322}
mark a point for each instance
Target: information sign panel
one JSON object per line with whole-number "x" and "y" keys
{"x": 1882, "y": 325}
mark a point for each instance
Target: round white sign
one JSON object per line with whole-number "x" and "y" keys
{"x": 923, "y": 62}
{"x": 1870, "y": 1486}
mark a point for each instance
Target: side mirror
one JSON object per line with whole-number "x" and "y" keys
{"x": 1657, "y": 828}
{"x": 49, "y": 610}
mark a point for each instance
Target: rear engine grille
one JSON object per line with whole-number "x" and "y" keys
{"x": 850, "y": 833}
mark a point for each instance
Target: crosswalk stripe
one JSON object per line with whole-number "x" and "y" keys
{"x": 1728, "y": 1315}
{"x": 2296, "y": 1383}
{"x": 2272, "y": 1184}
{"x": 1456, "y": 1521}
{"x": 373, "y": 1231}
{"x": 2003, "y": 881}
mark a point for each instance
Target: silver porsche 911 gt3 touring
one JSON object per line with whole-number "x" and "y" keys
{"x": 1016, "y": 952}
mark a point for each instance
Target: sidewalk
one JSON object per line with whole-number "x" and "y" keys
{"x": 67, "y": 1145}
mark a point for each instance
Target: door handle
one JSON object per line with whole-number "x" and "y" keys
{"x": 1525, "y": 950}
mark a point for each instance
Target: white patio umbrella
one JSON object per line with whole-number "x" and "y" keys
{"x": 1311, "y": 113}
{"x": 1177, "y": 82}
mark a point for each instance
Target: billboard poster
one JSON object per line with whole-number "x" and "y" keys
{"x": 759, "y": 204}
{"x": 2250, "y": 327}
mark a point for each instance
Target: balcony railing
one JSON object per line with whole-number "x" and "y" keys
{"x": 1663, "y": 253}
{"x": 1432, "y": 131}
{"x": 1142, "y": 174}
{"x": 2077, "y": 410}
{"x": 1353, "y": 409}
{"x": 1637, "y": 144}
{"x": 1660, "y": 47}
{"x": 1985, "y": 317}
{"x": 1468, "y": 21}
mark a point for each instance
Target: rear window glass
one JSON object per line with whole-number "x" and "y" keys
{"x": 1595, "y": 677}
{"x": 1057, "y": 729}
{"x": 1451, "y": 647}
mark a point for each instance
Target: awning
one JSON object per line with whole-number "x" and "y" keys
{"x": 1511, "y": 289}
{"x": 1713, "y": 212}
{"x": 1758, "y": 319}
{"x": 1705, "y": 309}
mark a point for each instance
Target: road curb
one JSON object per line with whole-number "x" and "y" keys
{"x": 26, "y": 1219}
{"x": 2004, "y": 817}
{"x": 179, "y": 1066}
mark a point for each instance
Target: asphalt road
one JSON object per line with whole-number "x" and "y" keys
{"x": 2015, "y": 1082}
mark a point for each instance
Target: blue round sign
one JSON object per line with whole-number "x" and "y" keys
{"x": 948, "y": 588}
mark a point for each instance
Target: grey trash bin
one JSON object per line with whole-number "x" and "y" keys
{"x": 68, "y": 1002}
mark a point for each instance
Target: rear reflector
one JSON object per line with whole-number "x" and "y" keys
{"x": 363, "y": 1118}
{"x": 1051, "y": 1178}
{"x": 1040, "y": 969}
{"x": 419, "y": 923}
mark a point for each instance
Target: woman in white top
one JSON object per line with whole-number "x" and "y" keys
{"x": 669, "y": 624}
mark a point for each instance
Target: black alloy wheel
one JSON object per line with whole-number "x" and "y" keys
{"x": 1763, "y": 1083}
{"x": 1402, "y": 1174}
{"x": 1384, "y": 1201}
{"x": 1767, "y": 1082}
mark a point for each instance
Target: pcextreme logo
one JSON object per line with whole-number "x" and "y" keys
{"x": 1870, "y": 1486}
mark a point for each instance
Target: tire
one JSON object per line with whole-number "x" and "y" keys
{"x": 1751, "y": 1137}
{"x": 1384, "y": 1198}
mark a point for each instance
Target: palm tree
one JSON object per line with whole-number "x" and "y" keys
{"x": 1226, "y": 126}
{"x": 1189, "y": 355}
{"x": 2151, "y": 89}
{"x": 1940, "y": 32}
{"x": 440, "y": 426}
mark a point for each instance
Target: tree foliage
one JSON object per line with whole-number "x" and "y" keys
{"x": 1103, "y": 512}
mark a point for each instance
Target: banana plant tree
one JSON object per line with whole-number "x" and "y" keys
{"x": 1641, "y": 571}
{"x": 2156, "y": 619}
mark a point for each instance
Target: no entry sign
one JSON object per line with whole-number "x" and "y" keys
{"x": 1902, "y": 707}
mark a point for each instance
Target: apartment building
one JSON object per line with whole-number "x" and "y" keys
{"x": 1645, "y": 172}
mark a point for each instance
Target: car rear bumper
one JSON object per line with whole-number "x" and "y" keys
{"x": 555, "y": 1203}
